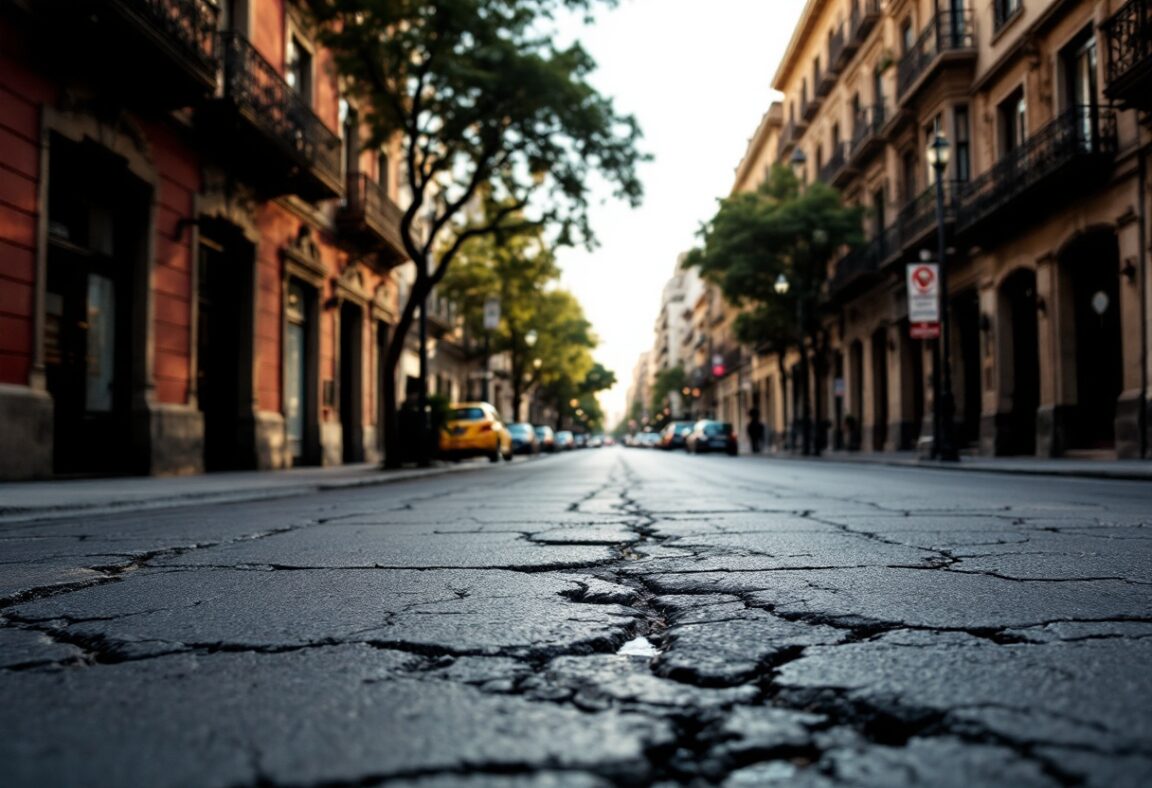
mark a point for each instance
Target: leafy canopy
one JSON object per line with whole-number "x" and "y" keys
{"x": 776, "y": 229}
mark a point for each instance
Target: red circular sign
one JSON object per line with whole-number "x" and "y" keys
{"x": 923, "y": 277}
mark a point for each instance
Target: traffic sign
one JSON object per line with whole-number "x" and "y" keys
{"x": 491, "y": 314}
{"x": 924, "y": 300}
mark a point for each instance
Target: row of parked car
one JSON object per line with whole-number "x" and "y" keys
{"x": 697, "y": 437}
{"x": 474, "y": 429}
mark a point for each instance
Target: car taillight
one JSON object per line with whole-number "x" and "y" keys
{"x": 486, "y": 426}
{"x": 732, "y": 435}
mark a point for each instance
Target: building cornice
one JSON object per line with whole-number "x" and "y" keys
{"x": 772, "y": 119}
{"x": 808, "y": 18}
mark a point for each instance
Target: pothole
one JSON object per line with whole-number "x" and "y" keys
{"x": 640, "y": 647}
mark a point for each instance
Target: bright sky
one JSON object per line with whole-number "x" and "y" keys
{"x": 698, "y": 78}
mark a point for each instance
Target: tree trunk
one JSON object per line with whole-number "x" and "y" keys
{"x": 392, "y": 445}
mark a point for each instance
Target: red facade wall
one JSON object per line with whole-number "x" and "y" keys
{"x": 179, "y": 176}
{"x": 20, "y": 94}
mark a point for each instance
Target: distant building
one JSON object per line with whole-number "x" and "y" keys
{"x": 1046, "y": 220}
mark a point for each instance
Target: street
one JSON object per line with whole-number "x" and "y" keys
{"x": 602, "y": 617}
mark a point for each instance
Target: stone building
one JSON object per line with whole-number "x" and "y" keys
{"x": 196, "y": 252}
{"x": 1045, "y": 218}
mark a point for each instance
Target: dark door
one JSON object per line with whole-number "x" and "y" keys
{"x": 1099, "y": 372}
{"x": 297, "y": 399}
{"x": 1020, "y": 294}
{"x": 220, "y": 299}
{"x": 879, "y": 389}
{"x": 966, "y": 384}
{"x": 351, "y": 382}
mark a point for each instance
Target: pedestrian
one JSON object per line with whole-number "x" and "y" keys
{"x": 755, "y": 430}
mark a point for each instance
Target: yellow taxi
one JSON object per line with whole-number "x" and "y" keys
{"x": 474, "y": 429}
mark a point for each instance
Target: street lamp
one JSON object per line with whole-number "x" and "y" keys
{"x": 782, "y": 286}
{"x": 943, "y": 443}
{"x": 798, "y": 161}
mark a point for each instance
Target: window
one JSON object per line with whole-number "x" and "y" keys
{"x": 351, "y": 127}
{"x": 908, "y": 175}
{"x": 906, "y": 35}
{"x": 299, "y": 68}
{"x": 1003, "y": 11}
{"x": 877, "y": 212}
{"x": 962, "y": 158}
{"x": 1012, "y": 116}
{"x": 383, "y": 170}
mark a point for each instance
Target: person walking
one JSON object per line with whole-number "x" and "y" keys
{"x": 755, "y": 430}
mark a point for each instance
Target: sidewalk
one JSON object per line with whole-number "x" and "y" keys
{"x": 53, "y": 499}
{"x": 1132, "y": 470}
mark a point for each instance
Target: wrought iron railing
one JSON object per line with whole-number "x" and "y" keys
{"x": 189, "y": 25}
{"x": 1129, "y": 35}
{"x": 813, "y": 106}
{"x": 836, "y": 49}
{"x": 866, "y": 127}
{"x": 865, "y": 15}
{"x": 270, "y": 103}
{"x": 368, "y": 202}
{"x": 1082, "y": 132}
{"x": 918, "y": 215}
{"x": 950, "y": 31}
{"x": 836, "y": 162}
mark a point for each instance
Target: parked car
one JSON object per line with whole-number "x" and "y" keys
{"x": 524, "y": 440}
{"x": 675, "y": 435}
{"x": 565, "y": 440}
{"x": 708, "y": 435}
{"x": 474, "y": 429}
{"x": 648, "y": 439}
{"x": 595, "y": 440}
{"x": 545, "y": 438}
{"x": 580, "y": 440}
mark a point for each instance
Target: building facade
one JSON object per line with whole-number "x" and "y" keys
{"x": 196, "y": 249}
{"x": 1044, "y": 211}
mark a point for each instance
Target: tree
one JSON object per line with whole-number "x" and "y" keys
{"x": 517, "y": 270}
{"x": 768, "y": 250}
{"x": 667, "y": 381}
{"x": 482, "y": 101}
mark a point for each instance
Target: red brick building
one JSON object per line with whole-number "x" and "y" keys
{"x": 195, "y": 250}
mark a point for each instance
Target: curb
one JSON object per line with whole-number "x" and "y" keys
{"x": 36, "y": 514}
{"x": 1080, "y": 472}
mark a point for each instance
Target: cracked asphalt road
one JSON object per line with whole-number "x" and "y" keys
{"x": 814, "y": 625}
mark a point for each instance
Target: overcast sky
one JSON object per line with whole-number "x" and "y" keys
{"x": 698, "y": 78}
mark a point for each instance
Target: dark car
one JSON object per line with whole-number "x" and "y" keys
{"x": 545, "y": 438}
{"x": 708, "y": 435}
{"x": 524, "y": 440}
{"x": 675, "y": 435}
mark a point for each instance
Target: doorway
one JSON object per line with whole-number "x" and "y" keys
{"x": 351, "y": 381}
{"x": 879, "y": 389}
{"x": 1092, "y": 262}
{"x": 966, "y": 383}
{"x": 300, "y": 412}
{"x": 97, "y": 235}
{"x": 1022, "y": 378}
{"x": 853, "y": 422}
{"x": 224, "y": 300}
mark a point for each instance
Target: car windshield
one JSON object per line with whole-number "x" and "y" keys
{"x": 717, "y": 428}
{"x": 542, "y": 431}
{"x": 466, "y": 414}
{"x": 520, "y": 429}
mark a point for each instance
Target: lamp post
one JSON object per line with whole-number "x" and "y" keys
{"x": 530, "y": 338}
{"x": 943, "y": 442}
{"x": 782, "y": 286}
{"x": 799, "y": 162}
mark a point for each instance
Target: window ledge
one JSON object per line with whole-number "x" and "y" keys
{"x": 998, "y": 30}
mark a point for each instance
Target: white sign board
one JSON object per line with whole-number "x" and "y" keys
{"x": 492, "y": 314}
{"x": 923, "y": 293}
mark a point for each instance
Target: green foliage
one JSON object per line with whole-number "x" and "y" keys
{"x": 777, "y": 229}
{"x": 484, "y": 105}
{"x": 667, "y": 381}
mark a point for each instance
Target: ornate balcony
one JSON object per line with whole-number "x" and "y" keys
{"x": 269, "y": 132}
{"x": 1063, "y": 159}
{"x": 948, "y": 40}
{"x": 839, "y": 55}
{"x": 160, "y": 52}
{"x": 370, "y": 220}
{"x": 861, "y": 265}
{"x": 1129, "y": 36}
{"x": 825, "y": 81}
{"x": 916, "y": 222}
{"x": 835, "y": 171}
{"x": 867, "y": 134}
{"x": 813, "y": 106}
{"x": 869, "y": 18}
{"x": 787, "y": 142}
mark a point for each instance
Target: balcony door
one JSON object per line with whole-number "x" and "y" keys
{"x": 1081, "y": 88}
